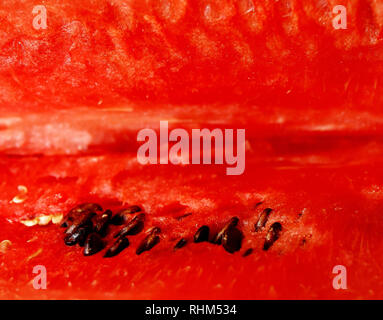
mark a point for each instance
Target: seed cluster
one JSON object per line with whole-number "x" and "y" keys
{"x": 87, "y": 225}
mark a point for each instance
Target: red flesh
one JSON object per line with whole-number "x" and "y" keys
{"x": 308, "y": 96}
{"x": 340, "y": 220}
{"x": 284, "y": 53}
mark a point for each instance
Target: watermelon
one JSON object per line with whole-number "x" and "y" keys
{"x": 191, "y": 52}
{"x": 104, "y": 68}
{"x": 74, "y": 95}
{"x": 329, "y": 216}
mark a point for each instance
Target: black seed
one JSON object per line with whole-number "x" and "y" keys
{"x": 82, "y": 238}
{"x": 133, "y": 227}
{"x": 248, "y": 252}
{"x": 202, "y": 234}
{"x": 70, "y": 218}
{"x": 232, "y": 239}
{"x": 87, "y": 229}
{"x": 93, "y": 244}
{"x": 117, "y": 220}
{"x": 233, "y": 222}
{"x": 64, "y": 224}
{"x": 262, "y": 220}
{"x": 101, "y": 222}
{"x": 117, "y": 247}
{"x": 70, "y": 240}
{"x": 84, "y": 220}
{"x": 150, "y": 241}
{"x": 180, "y": 244}
{"x": 179, "y": 218}
{"x": 123, "y": 216}
{"x": 79, "y": 230}
{"x": 272, "y": 235}
{"x": 71, "y": 229}
{"x": 78, "y": 236}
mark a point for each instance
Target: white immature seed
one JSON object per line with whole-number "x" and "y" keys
{"x": 30, "y": 223}
{"x": 19, "y": 199}
{"x": 22, "y": 196}
{"x": 22, "y": 189}
{"x": 4, "y": 246}
{"x": 57, "y": 218}
{"x": 44, "y": 220}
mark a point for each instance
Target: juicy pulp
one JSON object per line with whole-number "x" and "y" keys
{"x": 330, "y": 216}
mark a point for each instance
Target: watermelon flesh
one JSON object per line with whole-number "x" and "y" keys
{"x": 87, "y": 130}
{"x": 73, "y": 96}
{"x": 108, "y": 52}
{"x": 104, "y": 69}
{"x": 330, "y": 216}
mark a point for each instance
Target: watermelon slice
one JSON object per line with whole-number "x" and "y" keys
{"x": 103, "y": 69}
{"x": 329, "y": 215}
{"x": 74, "y": 95}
